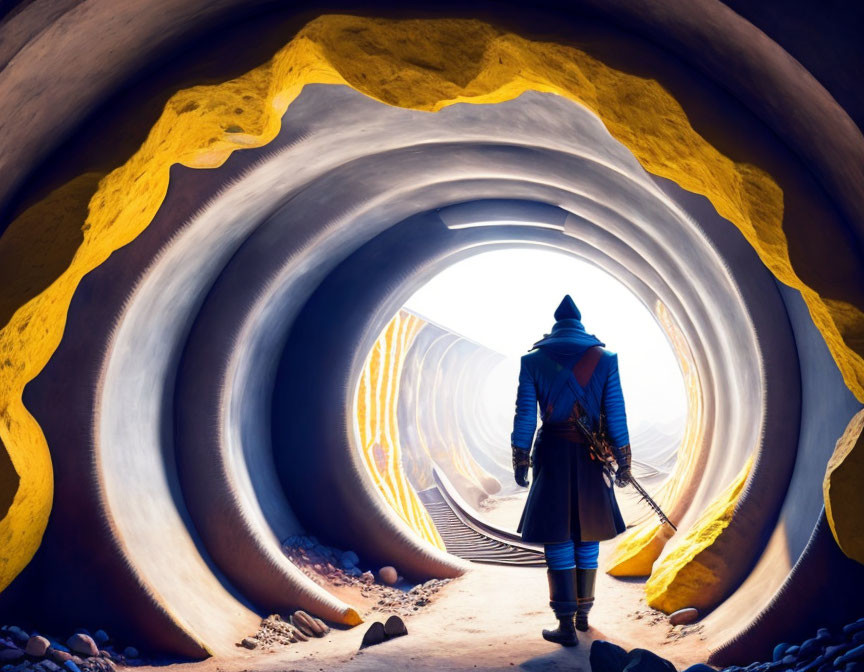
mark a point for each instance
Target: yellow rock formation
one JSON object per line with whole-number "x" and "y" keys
{"x": 844, "y": 495}
{"x": 378, "y": 427}
{"x": 686, "y": 577}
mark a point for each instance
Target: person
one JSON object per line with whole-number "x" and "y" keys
{"x": 571, "y": 505}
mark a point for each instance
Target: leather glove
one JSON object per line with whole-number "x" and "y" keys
{"x": 622, "y": 476}
{"x": 521, "y": 462}
{"x": 623, "y": 458}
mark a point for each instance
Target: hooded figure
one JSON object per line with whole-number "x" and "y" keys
{"x": 571, "y": 506}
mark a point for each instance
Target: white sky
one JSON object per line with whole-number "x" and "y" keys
{"x": 505, "y": 300}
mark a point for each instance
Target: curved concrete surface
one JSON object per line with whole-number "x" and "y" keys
{"x": 191, "y": 353}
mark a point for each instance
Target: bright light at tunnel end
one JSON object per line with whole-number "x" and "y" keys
{"x": 505, "y": 300}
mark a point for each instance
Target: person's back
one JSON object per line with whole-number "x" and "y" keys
{"x": 571, "y": 506}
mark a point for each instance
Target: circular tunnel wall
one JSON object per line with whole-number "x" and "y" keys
{"x": 190, "y": 354}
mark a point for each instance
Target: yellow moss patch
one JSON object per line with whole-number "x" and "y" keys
{"x": 844, "y": 496}
{"x": 421, "y": 64}
{"x": 684, "y": 578}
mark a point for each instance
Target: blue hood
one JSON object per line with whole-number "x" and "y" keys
{"x": 568, "y": 336}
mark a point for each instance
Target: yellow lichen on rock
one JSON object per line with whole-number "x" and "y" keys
{"x": 844, "y": 496}
{"x": 423, "y": 64}
{"x": 687, "y": 576}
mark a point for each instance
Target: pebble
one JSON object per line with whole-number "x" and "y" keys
{"x": 309, "y": 625}
{"x": 700, "y": 667}
{"x": 684, "y": 616}
{"x": 18, "y": 634}
{"x": 833, "y": 651}
{"x": 101, "y": 637}
{"x": 130, "y": 652}
{"x": 50, "y": 666}
{"x": 809, "y": 648}
{"x": 349, "y": 559}
{"x": 814, "y": 664}
{"x": 60, "y": 657}
{"x": 852, "y": 628}
{"x": 854, "y": 654}
{"x": 780, "y": 651}
{"x": 37, "y": 646}
{"x": 83, "y": 644}
{"x": 388, "y": 575}
{"x": 71, "y": 666}
{"x": 11, "y": 655}
{"x": 250, "y": 642}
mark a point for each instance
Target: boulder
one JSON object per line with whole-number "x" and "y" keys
{"x": 37, "y": 646}
{"x": 684, "y": 616}
{"x": 642, "y": 660}
{"x": 388, "y": 575}
{"x": 607, "y": 657}
{"x": 83, "y": 644}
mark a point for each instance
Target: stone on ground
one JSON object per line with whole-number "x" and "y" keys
{"x": 388, "y": 575}
{"x": 607, "y": 657}
{"x": 684, "y": 616}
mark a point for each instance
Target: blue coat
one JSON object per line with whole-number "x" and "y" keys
{"x": 565, "y": 344}
{"x": 569, "y": 496}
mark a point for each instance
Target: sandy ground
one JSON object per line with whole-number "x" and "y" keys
{"x": 489, "y": 619}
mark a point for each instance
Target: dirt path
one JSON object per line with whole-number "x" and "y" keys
{"x": 489, "y": 619}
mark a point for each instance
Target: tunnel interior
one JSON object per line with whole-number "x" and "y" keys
{"x": 206, "y": 271}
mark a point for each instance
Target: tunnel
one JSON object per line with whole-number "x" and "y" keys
{"x": 213, "y": 215}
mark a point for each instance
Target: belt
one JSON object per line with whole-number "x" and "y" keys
{"x": 564, "y": 430}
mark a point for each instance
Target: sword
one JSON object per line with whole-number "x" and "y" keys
{"x": 600, "y": 451}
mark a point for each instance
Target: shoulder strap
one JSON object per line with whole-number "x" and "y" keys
{"x": 583, "y": 369}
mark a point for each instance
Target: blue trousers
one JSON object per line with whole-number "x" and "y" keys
{"x": 569, "y": 555}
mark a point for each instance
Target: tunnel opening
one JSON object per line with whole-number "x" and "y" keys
{"x": 433, "y": 407}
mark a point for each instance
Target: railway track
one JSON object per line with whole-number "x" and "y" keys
{"x": 469, "y": 538}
